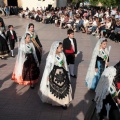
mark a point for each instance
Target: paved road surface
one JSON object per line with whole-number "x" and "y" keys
{"x": 19, "y": 102}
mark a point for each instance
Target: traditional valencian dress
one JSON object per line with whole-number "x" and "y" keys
{"x": 26, "y": 69}
{"x": 102, "y": 57}
{"x": 55, "y": 87}
{"x": 4, "y": 49}
{"x": 99, "y": 59}
{"x": 37, "y": 44}
{"x": 105, "y": 103}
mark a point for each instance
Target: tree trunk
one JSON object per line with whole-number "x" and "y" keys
{"x": 83, "y": 2}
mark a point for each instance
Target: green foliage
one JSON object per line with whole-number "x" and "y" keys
{"x": 108, "y": 3}
{"x": 73, "y": 1}
{"x": 105, "y": 3}
{"x": 81, "y": 0}
{"x": 94, "y": 2}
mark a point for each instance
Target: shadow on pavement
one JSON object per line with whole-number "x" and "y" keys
{"x": 73, "y": 80}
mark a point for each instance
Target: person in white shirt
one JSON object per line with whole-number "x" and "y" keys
{"x": 62, "y": 19}
{"x": 35, "y": 15}
{"x": 107, "y": 13}
{"x": 96, "y": 14}
{"x": 85, "y": 24}
{"x": 37, "y": 8}
{"x": 69, "y": 24}
{"x": 113, "y": 12}
{"x": 26, "y": 13}
{"x": 94, "y": 26}
{"x": 41, "y": 9}
{"x": 108, "y": 29}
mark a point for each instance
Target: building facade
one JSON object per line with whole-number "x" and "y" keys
{"x": 35, "y": 3}
{"x": 1, "y": 3}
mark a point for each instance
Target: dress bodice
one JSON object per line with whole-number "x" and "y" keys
{"x": 59, "y": 60}
{"x": 103, "y": 54}
{"x": 28, "y": 48}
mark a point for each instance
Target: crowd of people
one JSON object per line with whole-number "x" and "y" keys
{"x": 98, "y": 22}
{"x": 10, "y": 10}
{"x": 55, "y": 86}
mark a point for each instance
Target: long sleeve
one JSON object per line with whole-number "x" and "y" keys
{"x": 75, "y": 44}
{"x": 100, "y": 59}
{"x": 34, "y": 53}
{"x": 15, "y": 35}
{"x": 7, "y": 35}
{"x": 67, "y": 46}
{"x": 38, "y": 41}
{"x": 108, "y": 59}
{"x": 96, "y": 65}
{"x": 64, "y": 45}
{"x": 49, "y": 63}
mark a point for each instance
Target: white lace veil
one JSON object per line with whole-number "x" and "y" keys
{"x": 91, "y": 68}
{"x": 20, "y": 59}
{"x": 103, "y": 87}
{"x": 2, "y": 34}
{"x": 48, "y": 68}
{"x": 27, "y": 29}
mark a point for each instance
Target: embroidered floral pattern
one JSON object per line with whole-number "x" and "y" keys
{"x": 59, "y": 82}
{"x": 103, "y": 54}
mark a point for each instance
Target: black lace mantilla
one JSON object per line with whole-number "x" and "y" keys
{"x": 59, "y": 83}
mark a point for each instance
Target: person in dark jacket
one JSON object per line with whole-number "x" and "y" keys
{"x": 70, "y": 50}
{"x": 12, "y": 37}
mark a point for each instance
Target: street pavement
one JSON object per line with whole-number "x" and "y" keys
{"x": 18, "y": 102}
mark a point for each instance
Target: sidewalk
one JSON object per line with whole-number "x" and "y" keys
{"x": 19, "y": 102}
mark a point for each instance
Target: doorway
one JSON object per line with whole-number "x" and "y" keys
{"x": 69, "y": 1}
{"x": 12, "y": 2}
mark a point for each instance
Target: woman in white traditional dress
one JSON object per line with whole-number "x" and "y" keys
{"x": 26, "y": 71}
{"x": 35, "y": 40}
{"x": 106, "y": 104}
{"x": 55, "y": 87}
{"x": 99, "y": 62}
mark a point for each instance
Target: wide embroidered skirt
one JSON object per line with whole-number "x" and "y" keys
{"x": 4, "y": 49}
{"x": 30, "y": 72}
{"x": 60, "y": 92}
{"x": 101, "y": 67}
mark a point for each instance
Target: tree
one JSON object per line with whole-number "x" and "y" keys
{"x": 94, "y": 2}
{"x": 105, "y": 3}
{"x": 108, "y": 3}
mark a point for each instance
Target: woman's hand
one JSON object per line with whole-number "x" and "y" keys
{"x": 118, "y": 100}
{"x": 96, "y": 70}
{"x": 75, "y": 55}
{"x": 106, "y": 64}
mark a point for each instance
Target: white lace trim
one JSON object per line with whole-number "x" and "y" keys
{"x": 103, "y": 87}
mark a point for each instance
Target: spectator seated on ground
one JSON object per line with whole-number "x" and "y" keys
{"x": 85, "y": 25}
{"x": 38, "y": 16}
{"x": 62, "y": 20}
{"x": 47, "y": 18}
{"x": 77, "y": 23}
{"x": 66, "y": 20}
{"x": 102, "y": 22}
{"x": 70, "y": 23}
{"x": 115, "y": 34}
{"x": 93, "y": 27}
{"x": 107, "y": 31}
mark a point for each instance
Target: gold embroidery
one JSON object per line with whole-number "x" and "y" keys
{"x": 36, "y": 44}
